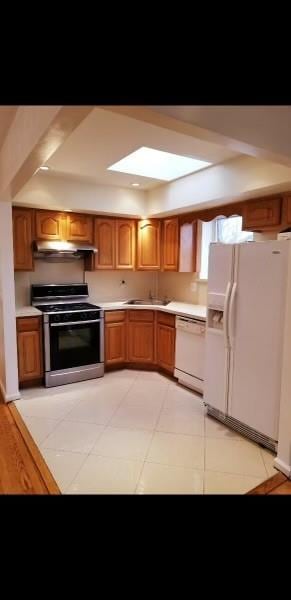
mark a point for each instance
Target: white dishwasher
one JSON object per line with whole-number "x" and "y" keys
{"x": 189, "y": 355}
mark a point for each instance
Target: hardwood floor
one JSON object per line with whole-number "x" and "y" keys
{"x": 278, "y": 484}
{"x": 22, "y": 468}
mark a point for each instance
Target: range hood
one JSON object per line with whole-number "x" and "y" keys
{"x": 61, "y": 251}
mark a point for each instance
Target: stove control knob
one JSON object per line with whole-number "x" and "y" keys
{"x": 56, "y": 318}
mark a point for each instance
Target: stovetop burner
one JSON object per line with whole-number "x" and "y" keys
{"x": 74, "y": 306}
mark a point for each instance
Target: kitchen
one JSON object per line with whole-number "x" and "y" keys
{"x": 136, "y": 288}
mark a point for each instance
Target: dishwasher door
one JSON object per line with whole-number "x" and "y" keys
{"x": 189, "y": 355}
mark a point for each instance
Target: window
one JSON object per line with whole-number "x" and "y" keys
{"x": 223, "y": 229}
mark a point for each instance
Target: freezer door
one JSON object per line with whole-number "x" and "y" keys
{"x": 220, "y": 273}
{"x": 256, "y": 321}
{"x": 216, "y": 370}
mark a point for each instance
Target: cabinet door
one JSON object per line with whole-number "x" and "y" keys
{"x": 51, "y": 225}
{"x": 288, "y": 209}
{"x": 80, "y": 228}
{"x": 262, "y": 214}
{"x": 29, "y": 349}
{"x": 105, "y": 243}
{"x": 115, "y": 343}
{"x": 22, "y": 239}
{"x": 141, "y": 342}
{"x": 188, "y": 248}
{"x": 166, "y": 347}
{"x": 170, "y": 244}
{"x": 124, "y": 244}
{"x": 148, "y": 245}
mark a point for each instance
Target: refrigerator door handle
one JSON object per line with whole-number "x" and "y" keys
{"x": 231, "y": 313}
{"x": 225, "y": 315}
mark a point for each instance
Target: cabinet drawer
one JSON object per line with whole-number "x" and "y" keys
{"x": 28, "y": 323}
{"x": 114, "y": 316}
{"x": 166, "y": 319}
{"x": 141, "y": 315}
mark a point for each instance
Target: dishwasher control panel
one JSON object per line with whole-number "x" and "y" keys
{"x": 190, "y": 325}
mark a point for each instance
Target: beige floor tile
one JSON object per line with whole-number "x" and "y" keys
{"x": 227, "y": 483}
{"x": 123, "y": 443}
{"x": 52, "y": 407}
{"x": 103, "y": 475}
{"x": 150, "y": 393}
{"x": 178, "y": 398}
{"x": 215, "y": 429}
{"x": 93, "y": 410}
{"x": 181, "y": 421}
{"x": 136, "y": 417}
{"x": 40, "y": 427}
{"x": 268, "y": 458}
{"x": 163, "y": 479}
{"x": 177, "y": 450}
{"x": 232, "y": 456}
{"x": 63, "y": 465}
{"x": 73, "y": 437}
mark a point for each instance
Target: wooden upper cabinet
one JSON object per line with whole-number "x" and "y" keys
{"x": 149, "y": 245}
{"x": 262, "y": 214}
{"x": 124, "y": 244}
{"x": 50, "y": 225}
{"x": 79, "y": 228}
{"x": 171, "y": 244}
{"x": 22, "y": 239}
{"x": 105, "y": 243}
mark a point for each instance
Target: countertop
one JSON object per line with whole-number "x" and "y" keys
{"x": 27, "y": 311}
{"x": 177, "y": 308}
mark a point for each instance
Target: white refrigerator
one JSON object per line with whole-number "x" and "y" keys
{"x": 244, "y": 336}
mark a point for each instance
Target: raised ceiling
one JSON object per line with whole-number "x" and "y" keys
{"x": 7, "y": 114}
{"x": 104, "y": 137}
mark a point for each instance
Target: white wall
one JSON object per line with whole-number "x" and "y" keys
{"x": 60, "y": 193}
{"x": 8, "y": 346}
{"x": 235, "y": 179}
{"x": 106, "y": 286}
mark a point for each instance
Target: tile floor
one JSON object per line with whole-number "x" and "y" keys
{"x": 138, "y": 432}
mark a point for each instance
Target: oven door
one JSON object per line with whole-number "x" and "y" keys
{"x": 75, "y": 345}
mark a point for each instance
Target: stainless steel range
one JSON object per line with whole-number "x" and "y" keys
{"x": 73, "y": 333}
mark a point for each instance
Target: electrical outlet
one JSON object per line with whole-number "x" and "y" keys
{"x": 193, "y": 286}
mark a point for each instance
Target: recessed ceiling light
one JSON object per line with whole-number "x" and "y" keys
{"x": 44, "y": 168}
{"x": 135, "y": 184}
{"x": 158, "y": 164}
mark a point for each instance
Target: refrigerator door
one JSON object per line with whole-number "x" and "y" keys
{"x": 256, "y": 320}
{"x": 220, "y": 273}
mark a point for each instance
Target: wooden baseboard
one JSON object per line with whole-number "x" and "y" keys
{"x": 141, "y": 367}
{"x": 42, "y": 467}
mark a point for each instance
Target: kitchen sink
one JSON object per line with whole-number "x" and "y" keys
{"x": 154, "y": 302}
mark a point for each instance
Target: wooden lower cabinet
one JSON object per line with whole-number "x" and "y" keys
{"x": 29, "y": 347}
{"x": 140, "y": 336}
{"x": 166, "y": 337}
{"x": 115, "y": 343}
{"x": 141, "y": 342}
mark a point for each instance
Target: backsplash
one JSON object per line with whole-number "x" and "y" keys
{"x": 107, "y": 286}
{"x": 177, "y": 286}
{"x": 46, "y": 272}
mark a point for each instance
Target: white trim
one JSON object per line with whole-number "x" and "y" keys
{"x": 8, "y": 397}
{"x": 282, "y": 466}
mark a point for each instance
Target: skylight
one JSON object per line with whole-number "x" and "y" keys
{"x": 157, "y": 164}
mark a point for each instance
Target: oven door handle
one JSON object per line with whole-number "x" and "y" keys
{"x": 74, "y": 323}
